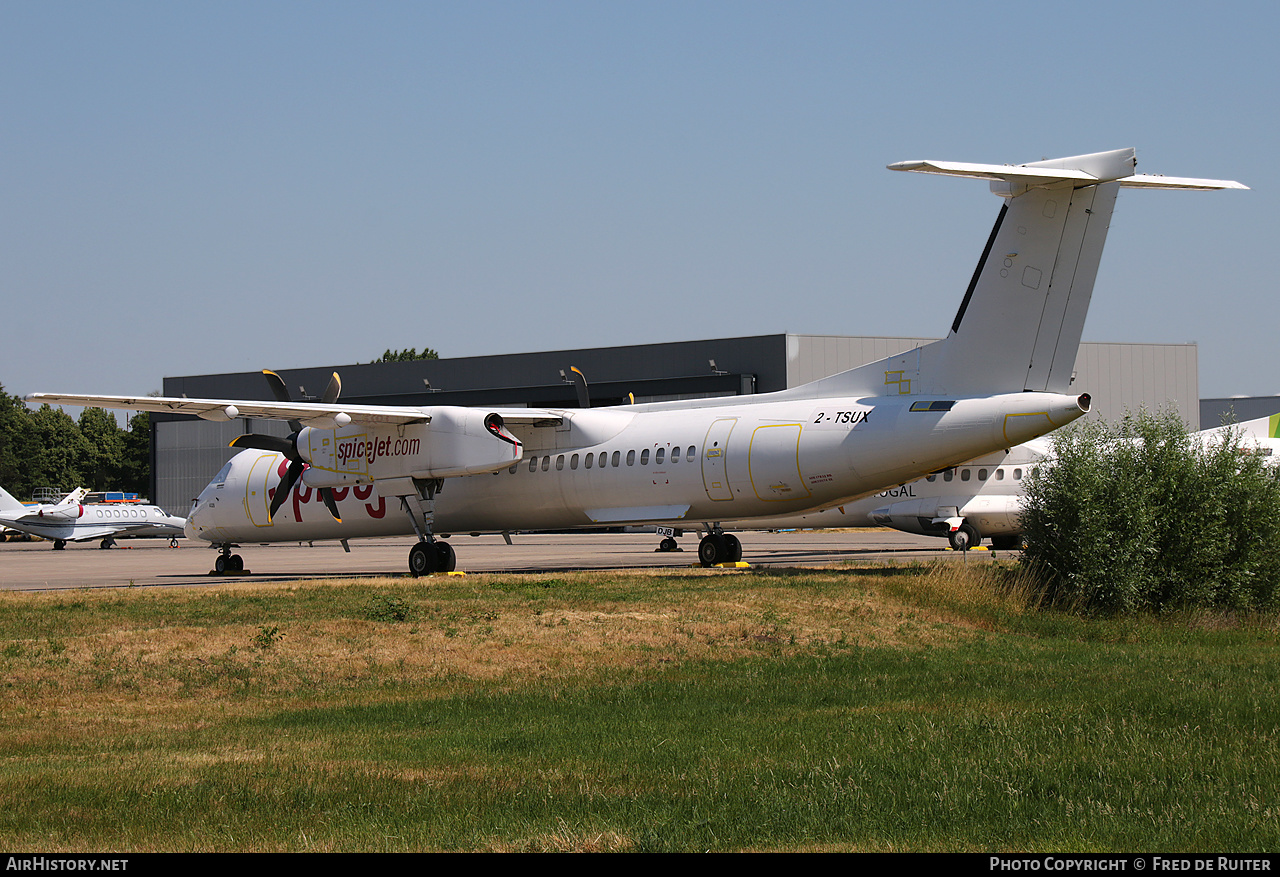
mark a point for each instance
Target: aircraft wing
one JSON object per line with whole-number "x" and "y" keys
{"x": 325, "y": 416}
{"x": 229, "y": 409}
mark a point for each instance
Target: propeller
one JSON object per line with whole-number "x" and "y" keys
{"x": 289, "y": 446}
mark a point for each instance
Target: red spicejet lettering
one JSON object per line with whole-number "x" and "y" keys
{"x": 303, "y": 494}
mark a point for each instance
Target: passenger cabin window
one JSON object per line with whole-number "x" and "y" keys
{"x": 546, "y": 463}
{"x": 573, "y": 462}
{"x": 965, "y": 474}
{"x": 1017, "y": 474}
{"x": 616, "y": 458}
{"x": 948, "y": 475}
{"x": 999, "y": 475}
{"x": 559, "y": 462}
{"x": 631, "y": 458}
{"x": 657, "y": 458}
{"x": 692, "y": 451}
{"x": 982, "y": 474}
{"x": 644, "y": 457}
{"x": 589, "y": 460}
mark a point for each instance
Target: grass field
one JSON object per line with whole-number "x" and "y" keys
{"x": 919, "y": 708}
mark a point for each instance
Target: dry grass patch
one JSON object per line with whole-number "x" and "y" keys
{"x": 155, "y": 658}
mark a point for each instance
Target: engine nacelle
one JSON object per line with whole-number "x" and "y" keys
{"x": 61, "y": 513}
{"x": 456, "y": 441}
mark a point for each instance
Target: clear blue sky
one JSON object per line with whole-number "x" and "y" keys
{"x": 191, "y": 188}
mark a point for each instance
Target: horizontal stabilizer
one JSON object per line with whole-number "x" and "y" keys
{"x": 1080, "y": 170}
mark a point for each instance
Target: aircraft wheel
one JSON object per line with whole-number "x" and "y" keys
{"x": 446, "y": 560}
{"x": 964, "y": 538}
{"x": 669, "y": 544}
{"x": 173, "y": 543}
{"x": 59, "y": 545}
{"x": 235, "y": 563}
{"x": 734, "y": 548}
{"x": 220, "y": 563}
{"x": 1007, "y": 541}
{"x": 712, "y": 549}
{"x": 421, "y": 559}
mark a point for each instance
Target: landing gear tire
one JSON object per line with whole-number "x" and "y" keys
{"x": 669, "y": 544}
{"x": 426, "y": 558}
{"x": 228, "y": 563}
{"x": 108, "y": 542}
{"x": 446, "y": 560}
{"x": 59, "y": 545}
{"x": 713, "y": 549}
{"x": 964, "y": 538}
{"x": 734, "y": 548}
{"x": 1007, "y": 542}
{"x": 422, "y": 559}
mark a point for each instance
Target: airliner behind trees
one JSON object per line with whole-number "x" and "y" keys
{"x": 1001, "y": 377}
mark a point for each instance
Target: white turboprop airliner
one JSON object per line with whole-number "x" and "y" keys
{"x": 70, "y": 520}
{"x": 984, "y": 497}
{"x": 1000, "y": 378}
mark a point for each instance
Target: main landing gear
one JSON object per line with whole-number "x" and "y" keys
{"x": 428, "y": 556}
{"x": 719, "y": 547}
{"x": 964, "y": 537}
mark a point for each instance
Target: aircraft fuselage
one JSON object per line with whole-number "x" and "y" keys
{"x": 677, "y": 464}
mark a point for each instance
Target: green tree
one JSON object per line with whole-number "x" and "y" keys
{"x": 47, "y": 448}
{"x": 17, "y": 441}
{"x": 1143, "y": 516}
{"x": 103, "y": 449}
{"x": 135, "y": 468}
{"x": 61, "y": 452}
{"x": 409, "y": 354}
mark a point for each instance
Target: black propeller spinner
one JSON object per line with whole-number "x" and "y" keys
{"x": 289, "y": 446}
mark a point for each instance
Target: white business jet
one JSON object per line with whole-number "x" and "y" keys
{"x": 1000, "y": 378}
{"x": 72, "y": 520}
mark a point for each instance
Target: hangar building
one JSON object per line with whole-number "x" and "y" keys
{"x": 187, "y": 451}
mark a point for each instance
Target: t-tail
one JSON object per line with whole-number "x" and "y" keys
{"x": 1019, "y": 324}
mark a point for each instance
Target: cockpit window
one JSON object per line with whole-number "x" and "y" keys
{"x": 221, "y": 477}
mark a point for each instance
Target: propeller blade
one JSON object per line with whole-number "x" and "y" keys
{"x": 265, "y": 443}
{"x": 281, "y": 392}
{"x": 286, "y": 484}
{"x": 326, "y": 493}
{"x": 278, "y": 389}
{"x": 333, "y": 391}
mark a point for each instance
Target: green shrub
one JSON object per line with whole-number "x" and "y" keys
{"x": 1143, "y": 516}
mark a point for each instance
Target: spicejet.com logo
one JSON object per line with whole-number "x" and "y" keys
{"x": 358, "y": 447}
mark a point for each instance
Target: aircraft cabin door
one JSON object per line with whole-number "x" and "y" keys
{"x": 257, "y": 504}
{"x": 715, "y": 459}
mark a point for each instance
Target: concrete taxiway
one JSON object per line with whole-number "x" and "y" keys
{"x": 150, "y": 562}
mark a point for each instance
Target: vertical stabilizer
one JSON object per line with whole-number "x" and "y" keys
{"x": 10, "y": 504}
{"x": 1018, "y": 326}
